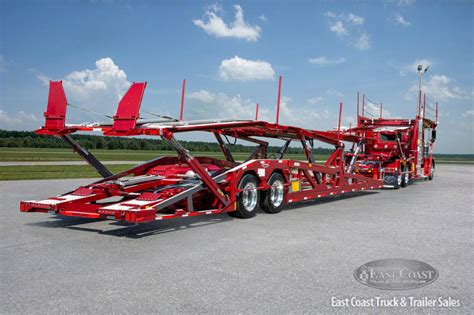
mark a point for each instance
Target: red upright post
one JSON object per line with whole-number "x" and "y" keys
{"x": 256, "y": 112}
{"x": 182, "y": 100}
{"x": 278, "y": 101}
{"x": 128, "y": 110}
{"x": 339, "y": 123}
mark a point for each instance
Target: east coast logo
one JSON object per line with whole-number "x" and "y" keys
{"x": 395, "y": 274}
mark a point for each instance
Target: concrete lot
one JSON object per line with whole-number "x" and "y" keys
{"x": 292, "y": 262}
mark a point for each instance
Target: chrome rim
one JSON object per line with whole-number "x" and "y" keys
{"x": 249, "y": 196}
{"x": 276, "y": 193}
{"x": 399, "y": 179}
{"x": 407, "y": 177}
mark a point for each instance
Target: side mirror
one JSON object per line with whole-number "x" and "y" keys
{"x": 433, "y": 135}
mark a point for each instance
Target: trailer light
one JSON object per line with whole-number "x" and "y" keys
{"x": 295, "y": 186}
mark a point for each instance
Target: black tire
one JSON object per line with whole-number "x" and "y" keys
{"x": 432, "y": 170}
{"x": 399, "y": 180}
{"x": 272, "y": 201}
{"x": 247, "y": 202}
{"x": 405, "y": 177}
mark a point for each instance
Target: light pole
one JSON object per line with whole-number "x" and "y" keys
{"x": 421, "y": 73}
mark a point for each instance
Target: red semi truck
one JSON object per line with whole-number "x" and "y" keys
{"x": 394, "y": 150}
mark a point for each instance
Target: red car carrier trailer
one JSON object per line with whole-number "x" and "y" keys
{"x": 188, "y": 185}
{"x": 394, "y": 150}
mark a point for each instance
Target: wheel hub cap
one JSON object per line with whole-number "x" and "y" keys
{"x": 249, "y": 196}
{"x": 276, "y": 193}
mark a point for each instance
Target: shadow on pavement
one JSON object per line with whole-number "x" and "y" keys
{"x": 136, "y": 231}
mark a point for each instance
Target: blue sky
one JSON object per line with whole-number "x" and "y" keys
{"x": 231, "y": 54}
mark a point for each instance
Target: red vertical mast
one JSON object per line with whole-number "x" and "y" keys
{"x": 278, "y": 101}
{"x": 339, "y": 123}
{"x": 182, "y": 100}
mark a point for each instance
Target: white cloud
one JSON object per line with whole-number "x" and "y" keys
{"x": 97, "y": 89}
{"x": 338, "y": 28}
{"x": 215, "y": 7}
{"x": 350, "y": 27}
{"x": 203, "y": 96}
{"x": 220, "y": 105}
{"x": 439, "y": 88}
{"x": 43, "y": 78}
{"x": 315, "y": 100}
{"x": 324, "y": 61}
{"x": 209, "y": 105}
{"x": 215, "y": 25}
{"x": 406, "y": 3}
{"x": 373, "y": 110}
{"x": 412, "y": 67}
{"x": 401, "y": 20}
{"x": 239, "y": 69}
{"x": 326, "y": 114}
{"x": 468, "y": 113}
{"x": 334, "y": 92}
{"x": 400, "y": 3}
{"x": 301, "y": 117}
{"x": 363, "y": 42}
{"x": 354, "y": 19}
{"x": 19, "y": 121}
{"x": 350, "y": 120}
{"x": 350, "y": 18}
{"x": 263, "y": 18}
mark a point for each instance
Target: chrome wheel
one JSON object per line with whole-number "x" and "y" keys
{"x": 274, "y": 197}
{"x": 249, "y": 196}
{"x": 276, "y": 193}
{"x": 399, "y": 180}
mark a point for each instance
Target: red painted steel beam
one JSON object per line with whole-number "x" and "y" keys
{"x": 278, "y": 101}
{"x": 339, "y": 123}
{"x": 196, "y": 167}
{"x": 56, "y": 112}
{"x": 55, "y": 115}
{"x": 181, "y": 111}
{"x": 128, "y": 109}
